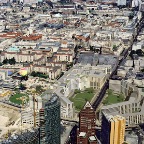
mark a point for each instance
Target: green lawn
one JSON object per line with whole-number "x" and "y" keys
{"x": 113, "y": 98}
{"x": 14, "y": 99}
{"x": 80, "y": 99}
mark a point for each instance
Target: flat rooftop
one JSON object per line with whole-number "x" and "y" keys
{"x": 87, "y": 58}
{"x": 108, "y": 60}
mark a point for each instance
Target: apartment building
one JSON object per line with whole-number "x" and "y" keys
{"x": 78, "y": 77}
{"x": 132, "y": 109}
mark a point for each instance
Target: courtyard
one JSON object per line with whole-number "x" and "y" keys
{"x": 16, "y": 98}
{"x": 113, "y": 98}
{"x": 80, "y": 98}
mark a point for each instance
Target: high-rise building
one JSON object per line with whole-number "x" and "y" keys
{"x": 86, "y": 131}
{"x": 113, "y": 129}
{"x": 50, "y": 119}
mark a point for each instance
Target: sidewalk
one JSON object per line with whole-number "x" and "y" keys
{"x": 94, "y": 97}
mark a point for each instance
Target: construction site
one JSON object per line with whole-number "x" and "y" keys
{"x": 10, "y": 120}
{"x": 14, "y": 128}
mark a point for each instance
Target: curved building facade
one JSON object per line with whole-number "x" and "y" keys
{"x": 50, "y": 119}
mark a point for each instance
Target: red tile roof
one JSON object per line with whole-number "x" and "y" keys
{"x": 32, "y": 37}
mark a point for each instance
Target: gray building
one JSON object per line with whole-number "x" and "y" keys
{"x": 50, "y": 119}
{"x": 88, "y": 58}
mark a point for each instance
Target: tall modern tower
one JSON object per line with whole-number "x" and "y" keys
{"x": 50, "y": 119}
{"x": 113, "y": 129}
{"x": 86, "y": 131}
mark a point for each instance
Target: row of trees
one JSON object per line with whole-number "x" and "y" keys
{"x": 142, "y": 70}
{"x": 11, "y": 61}
{"x": 39, "y": 74}
{"x": 88, "y": 90}
{"x": 92, "y": 48}
{"x": 115, "y": 48}
{"x": 38, "y": 89}
{"x": 139, "y": 52}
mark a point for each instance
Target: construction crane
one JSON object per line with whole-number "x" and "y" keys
{"x": 34, "y": 93}
{"x": 24, "y": 101}
{"x": 34, "y": 112}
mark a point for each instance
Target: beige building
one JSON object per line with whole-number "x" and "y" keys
{"x": 117, "y": 130}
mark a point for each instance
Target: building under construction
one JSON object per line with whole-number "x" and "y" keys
{"x": 27, "y": 137}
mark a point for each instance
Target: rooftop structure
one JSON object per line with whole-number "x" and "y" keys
{"x": 88, "y": 58}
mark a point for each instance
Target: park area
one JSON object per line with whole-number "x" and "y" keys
{"x": 113, "y": 98}
{"x": 16, "y": 98}
{"x": 80, "y": 98}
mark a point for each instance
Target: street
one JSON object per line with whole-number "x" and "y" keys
{"x": 106, "y": 85}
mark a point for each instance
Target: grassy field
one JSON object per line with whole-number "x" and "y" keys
{"x": 15, "y": 98}
{"x": 80, "y": 99}
{"x": 113, "y": 98}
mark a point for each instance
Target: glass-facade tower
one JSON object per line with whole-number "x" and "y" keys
{"x": 50, "y": 119}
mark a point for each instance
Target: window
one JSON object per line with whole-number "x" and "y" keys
{"x": 89, "y": 126}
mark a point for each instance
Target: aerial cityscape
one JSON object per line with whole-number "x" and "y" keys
{"x": 71, "y": 71}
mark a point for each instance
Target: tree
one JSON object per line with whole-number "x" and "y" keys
{"x": 5, "y": 61}
{"x": 77, "y": 91}
{"x": 86, "y": 99}
{"x": 142, "y": 70}
{"x": 96, "y": 50}
{"x": 33, "y": 74}
{"x": 12, "y": 61}
{"x": 39, "y": 89}
{"x": 91, "y": 48}
{"x": 139, "y": 52}
{"x": 73, "y": 12}
{"x": 131, "y": 16}
{"x": 90, "y": 90}
{"x": 114, "y": 47}
{"x": 13, "y": 11}
{"x": 131, "y": 53}
{"x": 22, "y": 86}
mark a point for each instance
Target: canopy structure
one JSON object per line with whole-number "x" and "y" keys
{"x": 58, "y": 15}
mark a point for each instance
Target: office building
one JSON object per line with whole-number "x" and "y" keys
{"x": 133, "y": 108}
{"x": 113, "y": 129}
{"x": 86, "y": 131}
{"x": 50, "y": 119}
